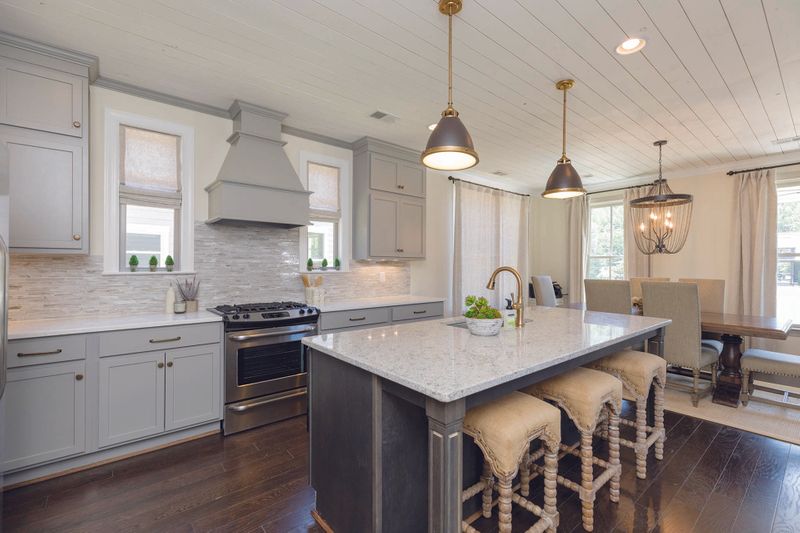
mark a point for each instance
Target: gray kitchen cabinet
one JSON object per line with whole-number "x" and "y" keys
{"x": 388, "y": 202}
{"x": 41, "y": 98}
{"x": 193, "y": 386}
{"x": 48, "y": 191}
{"x": 378, "y": 316}
{"x": 131, "y": 397}
{"x": 44, "y": 414}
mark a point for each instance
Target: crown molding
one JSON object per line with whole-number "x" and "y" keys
{"x": 64, "y": 54}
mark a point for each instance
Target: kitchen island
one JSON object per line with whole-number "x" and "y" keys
{"x": 386, "y": 407}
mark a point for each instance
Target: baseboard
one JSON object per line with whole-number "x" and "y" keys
{"x": 71, "y": 465}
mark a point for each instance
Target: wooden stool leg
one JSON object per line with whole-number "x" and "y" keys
{"x": 745, "y": 393}
{"x": 659, "y": 420}
{"x": 587, "y": 480}
{"x": 613, "y": 453}
{"x": 641, "y": 438}
{"x": 504, "y": 503}
{"x": 525, "y": 476}
{"x": 550, "y": 475}
{"x": 695, "y": 386}
{"x": 488, "y": 480}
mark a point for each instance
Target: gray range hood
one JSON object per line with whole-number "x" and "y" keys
{"x": 257, "y": 183}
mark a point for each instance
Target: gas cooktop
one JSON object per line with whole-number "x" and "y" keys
{"x": 271, "y": 314}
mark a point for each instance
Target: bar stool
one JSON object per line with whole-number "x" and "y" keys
{"x": 503, "y": 430}
{"x": 638, "y": 371}
{"x": 585, "y": 394}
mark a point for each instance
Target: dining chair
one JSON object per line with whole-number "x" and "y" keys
{"x": 543, "y": 291}
{"x": 636, "y": 285}
{"x": 608, "y": 296}
{"x": 680, "y": 302}
{"x": 712, "y": 299}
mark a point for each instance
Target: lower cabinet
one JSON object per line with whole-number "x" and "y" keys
{"x": 44, "y": 413}
{"x": 145, "y": 394}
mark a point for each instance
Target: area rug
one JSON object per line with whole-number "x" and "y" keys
{"x": 769, "y": 420}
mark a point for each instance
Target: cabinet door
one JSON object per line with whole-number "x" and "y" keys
{"x": 193, "y": 386}
{"x": 46, "y": 188}
{"x": 383, "y": 173}
{"x": 131, "y": 397}
{"x": 383, "y": 210}
{"x": 411, "y": 179}
{"x": 44, "y": 413}
{"x": 411, "y": 228}
{"x": 40, "y": 98}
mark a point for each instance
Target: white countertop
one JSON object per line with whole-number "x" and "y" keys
{"x": 448, "y": 363}
{"x": 27, "y": 329}
{"x": 378, "y": 301}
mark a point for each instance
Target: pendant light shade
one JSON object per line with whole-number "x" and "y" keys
{"x": 564, "y": 181}
{"x": 450, "y": 144}
{"x": 661, "y": 220}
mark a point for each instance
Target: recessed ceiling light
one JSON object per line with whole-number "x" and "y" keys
{"x": 432, "y": 126}
{"x": 631, "y": 46}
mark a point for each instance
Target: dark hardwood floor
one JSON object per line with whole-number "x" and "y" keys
{"x": 712, "y": 479}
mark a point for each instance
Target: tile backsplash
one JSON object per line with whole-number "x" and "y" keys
{"x": 235, "y": 263}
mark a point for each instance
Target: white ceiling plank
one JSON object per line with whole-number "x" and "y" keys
{"x": 783, "y": 17}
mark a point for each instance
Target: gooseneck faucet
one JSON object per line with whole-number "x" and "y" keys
{"x": 519, "y": 320}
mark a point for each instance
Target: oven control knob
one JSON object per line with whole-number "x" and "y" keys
{"x": 311, "y": 310}
{"x": 246, "y": 315}
{"x": 303, "y": 311}
{"x": 236, "y": 317}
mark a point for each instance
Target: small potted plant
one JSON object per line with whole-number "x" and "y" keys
{"x": 153, "y": 263}
{"x": 169, "y": 263}
{"x": 324, "y": 264}
{"x": 337, "y": 264}
{"x": 187, "y": 289}
{"x": 482, "y": 319}
{"x": 133, "y": 262}
{"x": 310, "y": 264}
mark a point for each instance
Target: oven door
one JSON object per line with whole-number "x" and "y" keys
{"x": 265, "y": 361}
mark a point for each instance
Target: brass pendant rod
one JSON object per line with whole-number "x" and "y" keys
{"x": 564, "y": 128}
{"x": 450, "y": 56}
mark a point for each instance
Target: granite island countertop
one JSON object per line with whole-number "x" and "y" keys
{"x": 448, "y": 363}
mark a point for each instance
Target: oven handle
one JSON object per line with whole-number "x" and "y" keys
{"x": 248, "y": 406}
{"x": 275, "y": 333}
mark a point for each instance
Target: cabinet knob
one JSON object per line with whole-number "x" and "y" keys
{"x": 160, "y": 365}
{"x": 76, "y": 237}
{"x": 401, "y": 186}
{"x": 76, "y": 124}
{"x": 400, "y": 250}
{"x": 78, "y": 377}
{"x": 169, "y": 364}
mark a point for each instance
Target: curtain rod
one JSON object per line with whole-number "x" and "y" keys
{"x": 620, "y": 189}
{"x": 732, "y": 172}
{"x": 451, "y": 178}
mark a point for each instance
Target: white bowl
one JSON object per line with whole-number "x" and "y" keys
{"x": 484, "y": 327}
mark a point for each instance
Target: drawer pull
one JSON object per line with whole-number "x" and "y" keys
{"x": 401, "y": 187}
{"x": 169, "y": 364}
{"x": 359, "y": 319}
{"x": 157, "y": 341}
{"x": 34, "y": 354}
{"x": 78, "y": 377}
{"x": 420, "y": 312}
{"x": 76, "y": 237}
{"x": 400, "y": 250}
{"x": 76, "y": 124}
{"x": 160, "y": 364}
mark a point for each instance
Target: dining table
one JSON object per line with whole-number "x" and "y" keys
{"x": 732, "y": 328}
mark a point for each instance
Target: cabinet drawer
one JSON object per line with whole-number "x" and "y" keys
{"x": 417, "y": 311}
{"x": 354, "y": 318}
{"x": 163, "y": 338}
{"x": 28, "y": 352}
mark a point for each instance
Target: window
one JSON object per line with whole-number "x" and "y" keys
{"x": 789, "y": 251}
{"x": 327, "y": 236}
{"x": 606, "y": 241}
{"x": 149, "y": 191}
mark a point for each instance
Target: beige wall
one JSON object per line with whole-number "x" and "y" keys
{"x": 549, "y": 239}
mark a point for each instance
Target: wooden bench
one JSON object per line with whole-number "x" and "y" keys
{"x": 781, "y": 368}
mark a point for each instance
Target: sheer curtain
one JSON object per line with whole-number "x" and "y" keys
{"x": 578, "y": 246}
{"x": 491, "y": 230}
{"x": 637, "y": 264}
{"x": 755, "y": 242}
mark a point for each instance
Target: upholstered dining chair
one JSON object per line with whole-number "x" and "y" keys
{"x": 608, "y": 296}
{"x": 680, "y": 302}
{"x": 712, "y": 299}
{"x": 636, "y": 285}
{"x": 543, "y": 291}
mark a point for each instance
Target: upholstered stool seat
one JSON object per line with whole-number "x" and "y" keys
{"x": 638, "y": 371}
{"x": 587, "y": 396}
{"x": 503, "y": 430}
{"x": 781, "y": 368}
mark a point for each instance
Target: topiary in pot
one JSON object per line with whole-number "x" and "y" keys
{"x": 169, "y": 263}
{"x": 310, "y": 264}
{"x": 324, "y": 264}
{"x": 153, "y": 263}
{"x": 133, "y": 262}
{"x": 337, "y": 264}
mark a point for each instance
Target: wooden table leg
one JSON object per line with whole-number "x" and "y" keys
{"x": 729, "y": 382}
{"x": 445, "y": 422}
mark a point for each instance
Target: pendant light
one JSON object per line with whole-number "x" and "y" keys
{"x": 661, "y": 219}
{"x": 564, "y": 181}
{"x": 450, "y": 145}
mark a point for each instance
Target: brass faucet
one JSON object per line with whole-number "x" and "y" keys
{"x": 519, "y": 320}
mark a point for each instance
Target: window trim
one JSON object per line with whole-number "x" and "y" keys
{"x": 346, "y": 212}
{"x": 611, "y": 202}
{"x": 111, "y": 166}
{"x": 790, "y": 179}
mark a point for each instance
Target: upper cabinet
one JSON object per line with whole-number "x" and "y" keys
{"x": 388, "y": 202}
{"x": 44, "y": 112}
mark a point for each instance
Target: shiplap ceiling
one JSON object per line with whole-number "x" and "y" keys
{"x": 720, "y": 79}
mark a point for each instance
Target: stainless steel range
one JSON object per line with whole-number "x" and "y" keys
{"x": 265, "y": 362}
